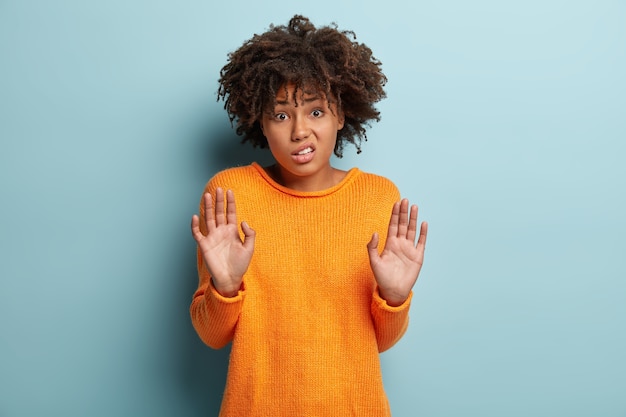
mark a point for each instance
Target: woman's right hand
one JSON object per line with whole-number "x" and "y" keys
{"x": 225, "y": 256}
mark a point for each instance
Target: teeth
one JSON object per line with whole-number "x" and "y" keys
{"x": 305, "y": 151}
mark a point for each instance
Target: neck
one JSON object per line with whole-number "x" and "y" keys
{"x": 321, "y": 181}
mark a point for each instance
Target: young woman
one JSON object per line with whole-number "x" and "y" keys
{"x": 310, "y": 273}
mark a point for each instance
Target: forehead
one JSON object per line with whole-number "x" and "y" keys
{"x": 290, "y": 92}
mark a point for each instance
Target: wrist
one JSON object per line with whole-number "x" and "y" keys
{"x": 392, "y": 298}
{"x": 226, "y": 291}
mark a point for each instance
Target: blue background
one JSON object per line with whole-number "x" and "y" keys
{"x": 505, "y": 121}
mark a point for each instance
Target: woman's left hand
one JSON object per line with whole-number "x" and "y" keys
{"x": 396, "y": 269}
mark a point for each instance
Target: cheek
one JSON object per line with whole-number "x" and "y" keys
{"x": 277, "y": 135}
{"x": 275, "y": 146}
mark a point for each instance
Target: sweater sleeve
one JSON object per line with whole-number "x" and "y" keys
{"x": 214, "y": 317}
{"x": 390, "y": 322}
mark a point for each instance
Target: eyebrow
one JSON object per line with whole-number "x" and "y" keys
{"x": 305, "y": 100}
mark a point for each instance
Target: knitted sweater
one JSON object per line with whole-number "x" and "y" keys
{"x": 308, "y": 324}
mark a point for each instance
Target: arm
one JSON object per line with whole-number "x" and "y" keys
{"x": 214, "y": 317}
{"x": 390, "y": 322}
{"x": 396, "y": 270}
{"x": 223, "y": 258}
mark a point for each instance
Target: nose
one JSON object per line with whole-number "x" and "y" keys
{"x": 301, "y": 129}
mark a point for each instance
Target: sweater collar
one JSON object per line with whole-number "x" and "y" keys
{"x": 349, "y": 177}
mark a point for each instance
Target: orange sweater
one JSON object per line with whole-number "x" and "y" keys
{"x": 308, "y": 324}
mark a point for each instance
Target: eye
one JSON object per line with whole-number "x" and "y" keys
{"x": 317, "y": 113}
{"x": 280, "y": 117}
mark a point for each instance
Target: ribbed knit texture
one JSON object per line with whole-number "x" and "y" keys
{"x": 308, "y": 325}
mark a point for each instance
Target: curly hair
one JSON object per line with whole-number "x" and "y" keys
{"x": 325, "y": 59}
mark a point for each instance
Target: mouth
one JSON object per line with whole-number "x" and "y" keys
{"x": 305, "y": 151}
{"x": 303, "y": 154}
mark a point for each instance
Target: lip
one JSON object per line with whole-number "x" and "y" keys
{"x": 303, "y": 147}
{"x": 307, "y": 157}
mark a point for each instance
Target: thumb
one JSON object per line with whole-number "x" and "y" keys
{"x": 372, "y": 247}
{"x": 249, "y": 235}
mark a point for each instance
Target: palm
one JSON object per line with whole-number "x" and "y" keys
{"x": 397, "y": 268}
{"x": 225, "y": 255}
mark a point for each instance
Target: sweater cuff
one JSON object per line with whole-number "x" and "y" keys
{"x": 227, "y": 300}
{"x": 214, "y": 316}
{"x": 382, "y": 303}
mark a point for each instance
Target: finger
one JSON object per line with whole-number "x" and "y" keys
{"x": 421, "y": 241}
{"x": 403, "y": 220}
{"x": 219, "y": 207}
{"x": 412, "y": 231}
{"x": 249, "y": 235}
{"x": 372, "y": 247}
{"x": 231, "y": 209}
{"x": 209, "y": 215}
{"x": 393, "y": 221}
{"x": 195, "y": 228}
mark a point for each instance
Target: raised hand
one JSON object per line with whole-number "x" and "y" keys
{"x": 396, "y": 269}
{"x": 225, "y": 255}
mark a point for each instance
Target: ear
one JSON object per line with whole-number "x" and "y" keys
{"x": 341, "y": 119}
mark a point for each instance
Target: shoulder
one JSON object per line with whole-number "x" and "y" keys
{"x": 377, "y": 185}
{"x": 232, "y": 178}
